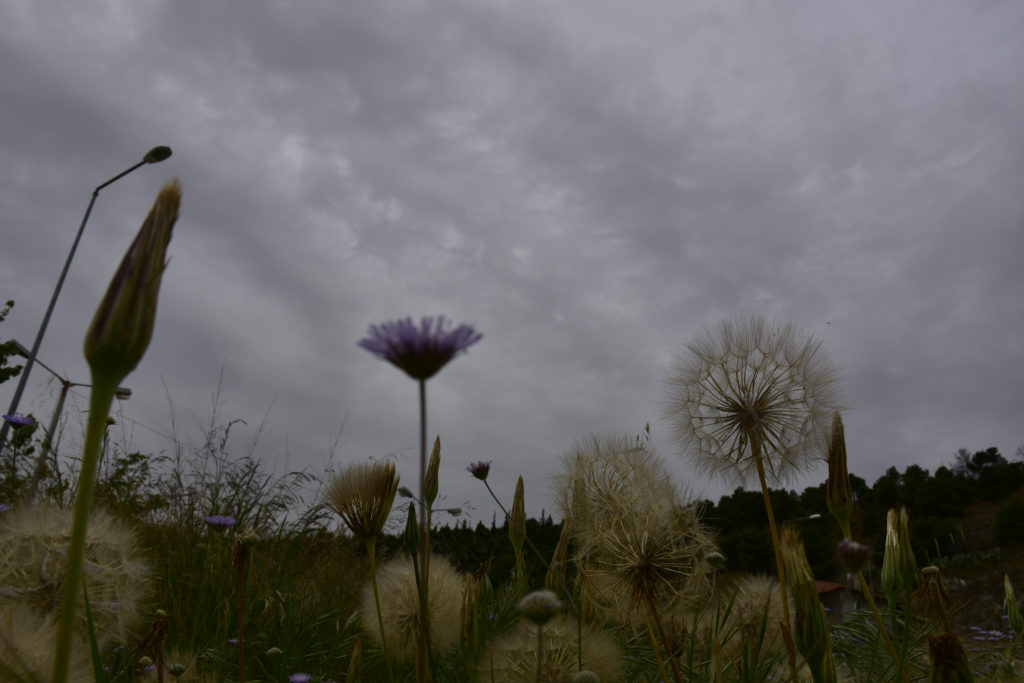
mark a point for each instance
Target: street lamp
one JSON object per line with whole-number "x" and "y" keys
{"x": 153, "y": 156}
{"x": 816, "y": 515}
{"x": 121, "y": 393}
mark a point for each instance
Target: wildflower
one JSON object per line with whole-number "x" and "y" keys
{"x": 220, "y": 521}
{"x": 299, "y": 678}
{"x": 539, "y": 606}
{"x": 362, "y": 495}
{"x": 419, "y": 352}
{"x": 400, "y": 606}
{"x": 749, "y": 394}
{"x": 4, "y": 507}
{"x": 123, "y": 323}
{"x": 480, "y": 470}
{"x": 853, "y": 555}
{"x": 18, "y": 421}
{"x": 839, "y": 495}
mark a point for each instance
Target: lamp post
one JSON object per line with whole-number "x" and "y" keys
{"x": 121, "y": 393}
{"x": 153, "y": 156}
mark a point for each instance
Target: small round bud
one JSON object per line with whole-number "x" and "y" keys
{"x": 539, "y": 606}
{"x": 586, "y": 677}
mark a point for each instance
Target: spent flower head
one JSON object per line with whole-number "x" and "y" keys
{"x": 123, "y": 323}
{"x": 419, "y": 351}
{"x": 853, "y": 555}
{"x": 362, "y": 495}
{"x": 480, "y": 470}
{"x": 751, "y": 390}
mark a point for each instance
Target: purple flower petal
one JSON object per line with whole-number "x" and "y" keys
{"x": 419, "y": 351}
{"x": 223, "y": 521}
{"x": 18, "y": 421}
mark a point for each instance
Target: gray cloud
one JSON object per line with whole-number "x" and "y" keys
{"x": 586, "y": 184}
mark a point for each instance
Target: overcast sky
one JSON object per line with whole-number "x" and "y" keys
{"x": 588, "y": 182}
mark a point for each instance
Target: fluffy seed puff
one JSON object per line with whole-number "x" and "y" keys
{"x": 633, "y": 533}
{"x": 26, "y": 646}
{"x": 512, "y": 656}
{"x": 400, "y": 607}
{"x": 749, "y": 390}
{"x": 33, "y": 544}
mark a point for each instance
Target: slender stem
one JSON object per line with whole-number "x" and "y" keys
{"x": 423, "y": 639}
{"x": 654, "y": 644}
{"x": 241, "y": 622}
{"x": 99, "y": 406}
{"x": 669, "y": 650}
{"x": 755, "y": 448}
{"x": 878, "y": 619}
{"x": 540, "y": 650}
{"x": 371, "y": 551}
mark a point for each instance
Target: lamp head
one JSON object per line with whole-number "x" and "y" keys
{"x": 157, "y": 154}
{"x": 122, "y": 393}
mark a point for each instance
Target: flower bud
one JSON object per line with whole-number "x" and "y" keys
{"x": 1012, "y": 609}
{"x": 907, "y": 563}
{"x": 123, "y": 323}
{"x": 810, "y": 629}
{"x": 891, "y": 579}
{"x": 430, "y": 482}
{"x": 517, "y": 520}
{"x": 839, "y": 495}
{"x": 539, "y": 606}
{"x": 932, "y": 600}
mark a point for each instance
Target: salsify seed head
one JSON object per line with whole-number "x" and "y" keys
{"x": 419, "y": 351}
{"x": 749, "y": 390}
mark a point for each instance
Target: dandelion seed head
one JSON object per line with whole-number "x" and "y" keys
{"x": 362, "y": 495}
{"x": 748, "y": 386}
{"x": 400, "y": 608}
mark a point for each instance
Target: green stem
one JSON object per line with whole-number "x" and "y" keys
{"x": 540, "y": 651}
{"x": 755, "y": 448}
{"x": 99, "y": 407}
{"x": 881, "y": 624}
{"x": 371, "y": 550}
{"x": 241, "y": 621}
{"x": 423, "y": 637}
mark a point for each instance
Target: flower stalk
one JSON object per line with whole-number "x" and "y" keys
{"x": 114, "y": 344}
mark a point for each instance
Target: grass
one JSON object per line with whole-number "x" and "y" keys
{"x": 304, "y": 579}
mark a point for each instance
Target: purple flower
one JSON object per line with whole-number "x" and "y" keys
{"x": 4, "y": 507}
{"x": 300, "y": 678}
{"x": 419, "y": 351}
{"x": 222, "y": 521}
{"x": 480, "y": 470}
{"x": 18, "y": 421}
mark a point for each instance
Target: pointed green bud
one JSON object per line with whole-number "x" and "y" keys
{"x": 810, "y": 629}
{"x": 1012, "y": 609}
{"x": 839, "y": 494}
{"x": 517, "y": 519}
{"x": 891, "y": 579}
{"x": 355, "y": 661}
{"x": 430, "y": 483}
{"x": 123, "y": 323}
